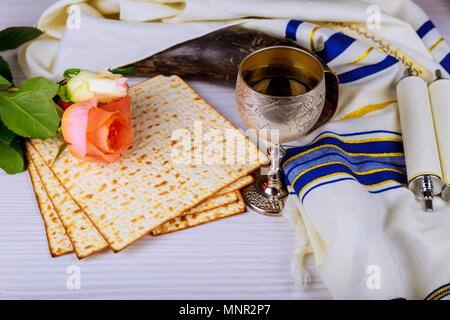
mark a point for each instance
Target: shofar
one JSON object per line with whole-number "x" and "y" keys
{"x": 216, "y": 55}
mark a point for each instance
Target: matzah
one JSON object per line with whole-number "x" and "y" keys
{"x": 83, "y": 235}
{"x": 58, "y": 241}
{"x": 224, "y": 196}
{"x": 212, "y": 203}
{"x": 192, "y": 220}
{"x": 144, "y": 188}
{"x": 238, "y": 184}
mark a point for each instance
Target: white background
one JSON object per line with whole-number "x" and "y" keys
{"x": 242, "y": 257}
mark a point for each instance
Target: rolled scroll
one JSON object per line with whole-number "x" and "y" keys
{"x": 419, "y": 139}
{"x": 439, "y": 92}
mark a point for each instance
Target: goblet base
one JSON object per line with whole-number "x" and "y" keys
{"x": 264, "y": 197}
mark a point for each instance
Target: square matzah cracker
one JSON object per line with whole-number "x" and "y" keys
{"x": 58, "y": 241}
{"x": 238, "y": 184}
{"x": 191, "y": 220}
{"x": 85, "y": 238}
{"x": 212, "y": 203}
{"x": 145, "y": 188}
{"x": 223, "y": 197}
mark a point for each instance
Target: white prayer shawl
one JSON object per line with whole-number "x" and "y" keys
{"x": 369, "y": 234}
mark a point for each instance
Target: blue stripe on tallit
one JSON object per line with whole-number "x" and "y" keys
{"x": 365, "y": 71}
{"x": 333, "y": 155}
{"x": 425, "y": 28}
{"x": 371, "y": 163}
{"x": 364, "y": 179}
{"x": 291, "y": 29}
{"x": 334, "y": 46}
{"x": 445, "y": 63}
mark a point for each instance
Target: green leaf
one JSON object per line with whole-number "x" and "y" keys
{"x": 4, "y": 83}
{"x": 62, "y": 93}
{"x": 40, "y": 84}
{"x": 59, "y": 111}
{"x": 13, "y": 37}
{"x": 60, "y": 135}
{"x": 4, "y": 69}
{"x": 124, "y": 70}
{"x": 61, "y": 149}
{"x": 11, "y": 156}
{"x": 6, "y": 135}
{"x": 69, "y": 73}
{"x": 29, "y": 114}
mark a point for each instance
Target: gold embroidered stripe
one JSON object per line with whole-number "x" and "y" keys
{"x": 365, "y": 54}
{"x": 383, "y": 46}
{"x": 367, "y": 109}
{"x": 436, "y": 44}
{"x": 439, "y": 293}
{"x": 311, "y": 37}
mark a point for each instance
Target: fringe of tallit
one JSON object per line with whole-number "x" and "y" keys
{"x": 301, "y": 276}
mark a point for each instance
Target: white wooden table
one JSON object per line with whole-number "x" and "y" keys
{"x": 241, "y": 257}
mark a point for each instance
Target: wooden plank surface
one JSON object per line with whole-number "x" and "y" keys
{"x": 246, "y": 256}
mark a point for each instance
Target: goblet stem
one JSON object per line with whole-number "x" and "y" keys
{"x": 267, "y": 194}
{"x": 275, "y": 186}
{"x": 276, "y": 152}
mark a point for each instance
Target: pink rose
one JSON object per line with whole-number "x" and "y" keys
{"x": 98, "y": 133}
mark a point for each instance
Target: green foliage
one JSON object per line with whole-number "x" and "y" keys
{"x": 61, "y": 149}
{"x": 124, "y": 70}
{"x": 11, "y": 156}
{"x": 5, "y": 72}
{"x": 63, "y": 94}
{"x": 13, "y": 37}
{"x": 30, "y": 112}
{"x": 6, "y": 135}
{"x": 69, "y": 73}
{"x": 27, "y": 111}
{"x": 4, "y": 84}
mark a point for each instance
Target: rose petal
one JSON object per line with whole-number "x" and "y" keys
{"x": 99, "y": 138}
{"x": 99, "y": 117}
{"x": 120, "y": 136}
{"x": 74, "y": 123}
{"x": 113, "y": 137}
{"x": 94, "y": 154}
{"x": 122, "y": 105}
{"x": 99, "y": 122}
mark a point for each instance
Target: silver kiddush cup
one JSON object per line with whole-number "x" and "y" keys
{"x": 282, "y": 92}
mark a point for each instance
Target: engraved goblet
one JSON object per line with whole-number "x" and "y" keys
{"x": 282, "y": 92}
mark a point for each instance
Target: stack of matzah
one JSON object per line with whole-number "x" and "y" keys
{"x": 88, "y": 206}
